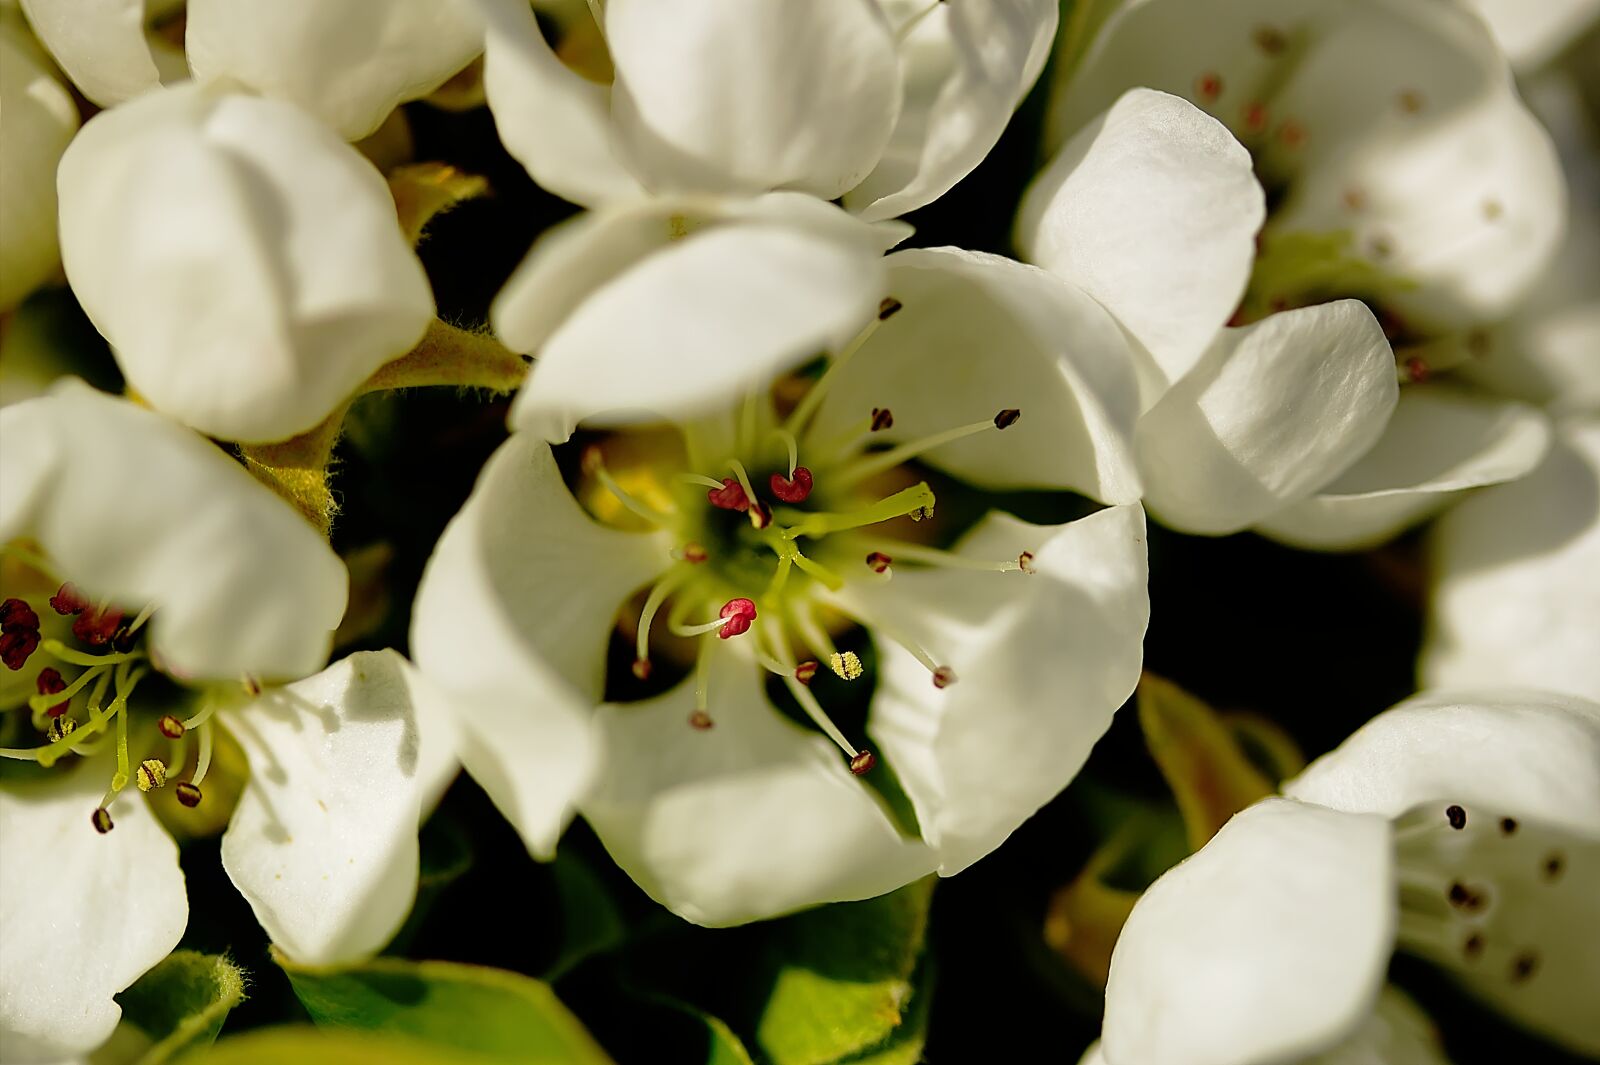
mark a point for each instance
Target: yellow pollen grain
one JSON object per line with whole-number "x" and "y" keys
{"x": 846, "y": 665}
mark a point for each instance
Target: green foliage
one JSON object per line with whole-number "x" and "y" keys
{"x": 844, "y": 983}
{"x": 309, "y": 1046}
{"x": 182, "y": 1002}
{"x": 500, "y": 1015}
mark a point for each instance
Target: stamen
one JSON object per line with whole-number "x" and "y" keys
{"x": 760, "y": 517}
{"x": 50, "y": 682}
{"x": 805, "y": 671}
{"x": 46, "y": 701}
{"x": 773, "y": 631}
{"x": 882, "y": 418}
{"x": 1508, "y": 826}
{"x": 888, "y": 460}
{"x": 846, "y": 665}
{"x": 202, "y": 761}
{"x": 943, "y": 676}
{"x": 594, "y": 464}
{"x": 809, "y": 403}
{"x": 19, "y": 633}
{"x": 68, "y": 600}
{"x": 188, "y": 794}
{"x": 151, "y": 774}
{"x": 790, "y": 445}
{"x": 734, "y": 619}
{"x": 61, "y": 728}
{"x": 727, "y": 495}
{"x": 933, "y": 556}
{"x": 1456, "y": 816}
{"x": 652, "y": 603}
{"x": 58, "y": 650}
{"x": 700, "y": 718}
{"x": 915, "y": 502}
{"x": 101, "y": 820}
{"x": 878, "y": 562}
{"x": 1208, "y": 87}
{"x": 142, "y": 617}
{"x": 692, "y": 553}
{"x": 170, "y": 727}
{"x": 863, "y": 762}
{"x": 795, "y": 488}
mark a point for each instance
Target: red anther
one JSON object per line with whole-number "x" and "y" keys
{"x": 50, "y": 682}
{"x": 694, "y": 554}
{"x": 700, "y": 721}
{"x": 1007, "y": 418}
{"x": 760, "y": 515}
{"x": 792, "y": 489}
{"x": 943, "y": 677}
{"x": 1417, "y": 369}
{"x": 729, "y": 497}
{"x": 16, "y": 614}
{"x": 1208, "y": 86}
{"x": 97, "y": 628}
{"x": 882, "y": 418}
{"x": 863, "y": 762}
{"x": 878, "y": 562}
{"x": 1292, "y": 134}
{"x": 805, "y": 671}
{"x": 171, "y": 727}
{"x": 1255, "y": 117}
{"x": 1025, "y": 562}
{"x": 67, "y": 600}
{"x": 740, "y": 613}
{"x": 641, "y": 668}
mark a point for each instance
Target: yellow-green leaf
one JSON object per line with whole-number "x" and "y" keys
{"x": 182, "y": 1002}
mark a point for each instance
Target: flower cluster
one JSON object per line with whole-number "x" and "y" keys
{"x": 717, "y": 436}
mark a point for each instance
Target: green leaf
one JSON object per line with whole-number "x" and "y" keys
{"x": 590, "y": 923}
{"x": 844, "y": 982}
{"x": 504, "y": 1015}
{"x": 182, "y": 1002}
{"x": 905, "y": 1043}
{"x": 310, "y": 1046}
{"x": 722, "y": 1046}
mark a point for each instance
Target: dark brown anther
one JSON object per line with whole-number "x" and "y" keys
{"x": 641, "y": 668}
{"x": 101, "y": 819}
{"x": 943, "y": 677}
{"x": 1523, "y": 966}
{"x": 188, "y": 794}
{"x": 1456, "y": 816}
{"x": 700, "y": 721}
{"x": 694, "y": 554}
{"x": 1410, "y": 101}
{"x": 1025, "y": 562}
{"x": 16, "y": 614}
{"x": 1508, "y": 825}
{"x": 863, "y": 762}
{"x": 1473, "y": 947}
{"x": 1007, "y": 418}
{"x": 805, "y": 671}
{"x": 882, "y": 418}
{"x": 878, "y": 562}
{"x": 67, "y": 600}
{"x": 171, "y": 727}
{"x": 252, "y": 685}
{"x": 888, "y": 308}
{"x": 1270, "y": 40}
{"x": 1555, "y": 865}
{"x": 1464, "y": 898}
{"x": 49, "y": 682}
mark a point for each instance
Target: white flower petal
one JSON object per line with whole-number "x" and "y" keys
{"x": 40, "y": 119}
{"x": 82, "y": 915}
{"x": 1153, "y": 209}
{"x": 1396, "y": 1033}
{"x": 100, "y": 44}
{"x": 1043, "y": 660}
{"x": 966, "y": 66}
{"x": 323, "y": 843}
{"x": 1516, "y": 594}
{"x": 978, "y": 334}
{"x": 1527, "y": 753}
{"x": 1268, "y": 944}
{"x": 763, "y": 94}
{"x": 1532, "y": 34}
{"x": 1272, "y": 412}
{"x": 138, "y": 510}
{"x": 512, "y": 622}
{"x": 749, "y": 819}
{"x": 348, "y": 64}
{"x": 1440, "y": 441}
{"x": 689, "y": 328}
{"x": 553, "y": 121}
{"x": 246, "y": 265}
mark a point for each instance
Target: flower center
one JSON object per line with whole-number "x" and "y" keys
{"x": 79, "y": 662}
{"x": 770, "y": 526}
{"x": 1478, "y": 890}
